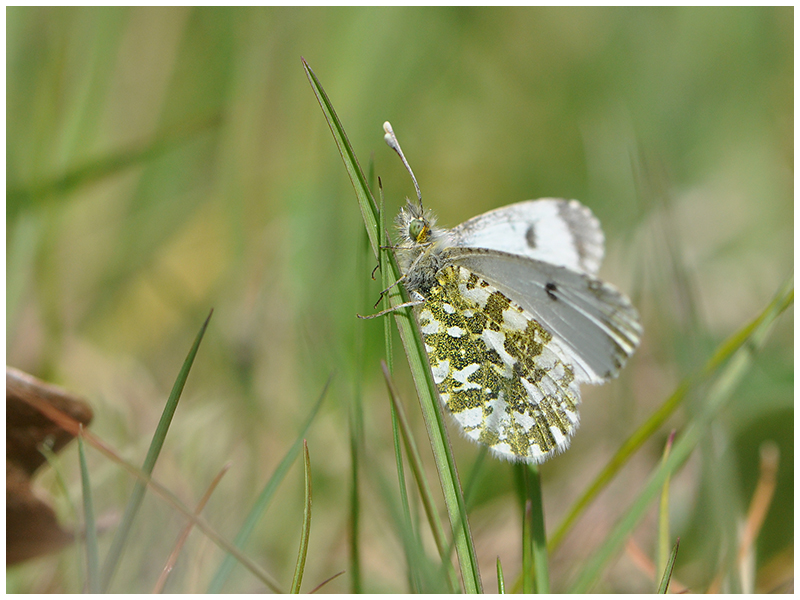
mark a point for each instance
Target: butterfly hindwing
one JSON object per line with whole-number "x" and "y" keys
{"x": 497, "y": 370}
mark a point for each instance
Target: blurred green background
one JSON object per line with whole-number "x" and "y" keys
{"x": 161, "y": 162}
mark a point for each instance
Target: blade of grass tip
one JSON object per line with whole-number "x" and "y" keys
{"x": 260, "y": 506}
{"x": 649, "y": 427}
{"x": 139, "y": 488}
{"x": 92, "y": 560}
{"x": 184, "y": 535}
{"x": 365, "y": 200}
{"x": 501, "y": 582}
{"x": 718, "y": 395}
{"x": 326, "y": 582}
{"x": 663, "y": 515}
{"x": 663, "y": 587}
{"x": 475, "y": 476}
{"x": 415, "y": 462}
{"x": 306, "y": 531}
{"x": 415, "y": 353}
{"x": 73, "y": 426}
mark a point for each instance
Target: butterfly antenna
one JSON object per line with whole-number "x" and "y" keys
{"x": 391, "y": 139}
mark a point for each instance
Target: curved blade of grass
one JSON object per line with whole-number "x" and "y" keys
{"x": 415, "y": 352}
{"x": 264, "y": 498}
{"x": 184, "y": 535}
{"x": 718, "y": 395}
{"x": 139, "y": 488}
{"x": 662, "y": 555}
{"x": 306, "y": 531}
{"x": 67, "y": 423}
{"x": 501, "y": 583}
{"x": 92, "y": 560}
{"x": 663, "y": 587}
{"x": 649, "y": 427}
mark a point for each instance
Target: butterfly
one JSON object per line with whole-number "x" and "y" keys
{"x": 514, "y": 318}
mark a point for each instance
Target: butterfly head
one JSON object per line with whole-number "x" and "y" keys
{"x": 415, "y": 225}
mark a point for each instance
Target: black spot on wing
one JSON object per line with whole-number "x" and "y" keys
{"x": 530, "y": 236}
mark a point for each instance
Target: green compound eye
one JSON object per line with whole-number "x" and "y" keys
{"x": 418, "y": 230}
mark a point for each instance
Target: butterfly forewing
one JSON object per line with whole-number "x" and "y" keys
{"x": 559, "y": 232}
{"x": 592, "y": 322}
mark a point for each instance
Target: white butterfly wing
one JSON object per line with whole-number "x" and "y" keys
{"x": 560, "y": 232}
{"x": 590, "y": 320}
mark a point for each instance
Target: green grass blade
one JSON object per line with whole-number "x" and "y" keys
{"x": 663, "y": 588}
{"x": 535, "y": 572}
{"x": 527, "y": 548}
{"x": 92, "y": 557}
{"x": 303, "y": 552}
{"x": 475, "y": 476}
{"x": 225, "y": 568}
{"x": 356, "y": 422}
{"x": 501, "y": 582}
{"x": 413, "y": 549}
{"x": 649, "y": 427}
{"x": 415, "y": 352}
{"x": 541, "y": 574}
{"x": 662, "y": 555}
{"x": 137, "y": 495}
{"x": 718, "y": 395}
{"x": 356, "y": 414}
{"x": 415, "y": 462}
